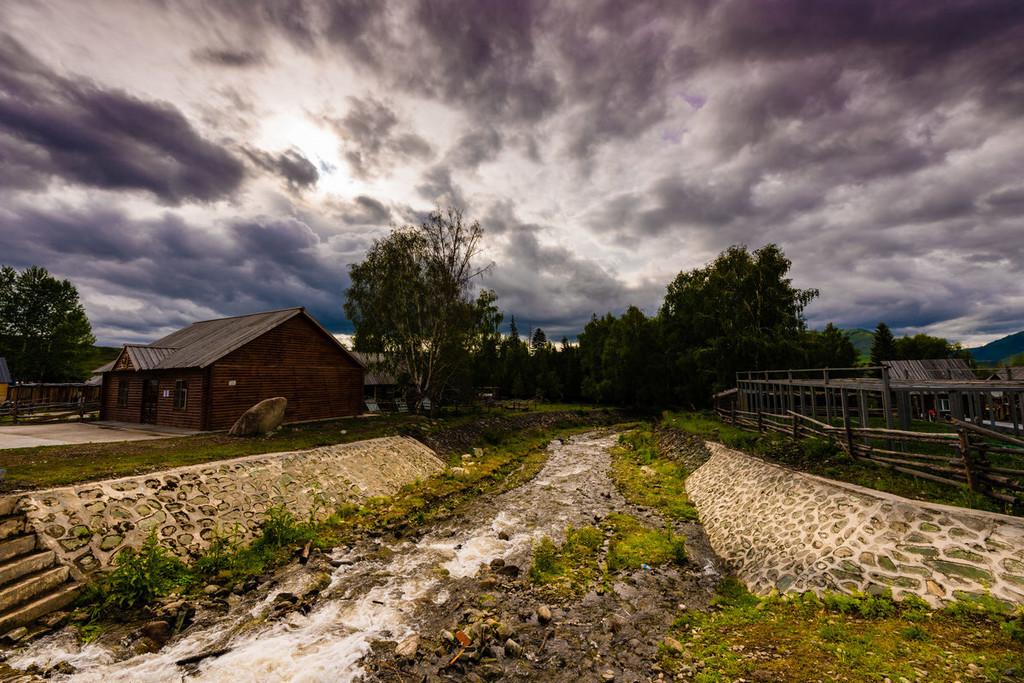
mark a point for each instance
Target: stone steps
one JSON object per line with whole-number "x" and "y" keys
{"x": 26, "y": 613}
{"x": 23, "y": 565}
{"x": 32, "y": 581}
{"x": 17, "y": 545}
{"x": 31, "y": 586}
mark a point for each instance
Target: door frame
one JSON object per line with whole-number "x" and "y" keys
{"x": 146, "y": 383}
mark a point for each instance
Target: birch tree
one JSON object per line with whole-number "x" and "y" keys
{"x": 411, "y": 300}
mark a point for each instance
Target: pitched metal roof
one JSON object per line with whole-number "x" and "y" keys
{"x": 1013, "y": 373}
{"x": 205, "y": 342}
{"x": 5, "y": 372}
{"x": 931, "y": 368}
{"x": 374, "y": 376}
{"x": 147, "y": 357}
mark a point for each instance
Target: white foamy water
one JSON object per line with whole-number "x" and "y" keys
{"x": 367, "y": 600}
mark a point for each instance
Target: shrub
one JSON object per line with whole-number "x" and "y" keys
{"x": 141, "y": 575}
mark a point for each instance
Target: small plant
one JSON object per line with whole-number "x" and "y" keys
{"x": 914, "y": 632}
{"x": 280, "y": 528}
{"x": 545, "y": 561}
{"x": 140, "y": 576}
{"x": 221, "y": 553}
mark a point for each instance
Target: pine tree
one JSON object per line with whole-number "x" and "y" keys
{"x": 884, "y": 346}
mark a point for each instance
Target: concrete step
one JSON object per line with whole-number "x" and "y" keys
{"x": 17, "y": 545}
{"x": 32, "y": 587}
{"x": 7, "y": 505}
{"x": 29, "y": 612}
{"x": 14, "y": 569}
{"x": 12, "y": 526}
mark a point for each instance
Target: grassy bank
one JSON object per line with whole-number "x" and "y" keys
{"x": 47, "y": 466}
{"x": 843, "y": 638}
{"x": 817, "y": 456}
{"x": 807, "y": 638}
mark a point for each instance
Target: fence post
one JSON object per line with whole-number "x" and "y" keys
{"x": 796, "y": 427}
{"x": 828, "y": 397}
{"x": 846, "y": 423}
{"x": 969, "y": 465}
{"x": 14, "y": 413}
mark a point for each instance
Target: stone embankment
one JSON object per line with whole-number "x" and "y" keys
{"x": 791, "y": 531}
{"x": 88, "y": 524}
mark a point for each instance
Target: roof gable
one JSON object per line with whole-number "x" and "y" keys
{"x": 203, "y": 343}
{"x": 5, "y": 372}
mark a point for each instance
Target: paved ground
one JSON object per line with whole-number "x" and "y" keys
{"x": 25, "y": 436}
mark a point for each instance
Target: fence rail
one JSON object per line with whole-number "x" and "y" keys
{"x": 988, "y": 462}
{"x": 21, "y": 412}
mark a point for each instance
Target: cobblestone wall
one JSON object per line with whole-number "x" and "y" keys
{"x": 792, "y": 531}
{"x": 89, "y": 524}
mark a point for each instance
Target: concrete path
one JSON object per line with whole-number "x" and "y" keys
{"x": 58, "y": 434}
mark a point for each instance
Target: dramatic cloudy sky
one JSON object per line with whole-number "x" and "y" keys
{"x": 187, "y": 159}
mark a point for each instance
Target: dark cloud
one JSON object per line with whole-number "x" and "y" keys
{"x": 373, "y": 139}
{"x": 179, "y": 268}
{"x": 229, "y": 57}
{"x": 84, "y": 134}
{"x": 439, "y": 188}
{"x": 297, "y": 171}
{"x": 475, "y": 148}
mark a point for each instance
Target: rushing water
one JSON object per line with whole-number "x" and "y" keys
{"x": 368, "y": 599}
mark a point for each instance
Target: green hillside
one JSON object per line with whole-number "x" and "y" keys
{"x": 862, "y": 340}
{"x": 999, "y": 350}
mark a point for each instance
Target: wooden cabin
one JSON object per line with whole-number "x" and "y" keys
{"x": 206, "y": 375}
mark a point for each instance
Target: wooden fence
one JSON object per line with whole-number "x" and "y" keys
{"x": 988, "y": 462}
{"x": 18, "y": 412}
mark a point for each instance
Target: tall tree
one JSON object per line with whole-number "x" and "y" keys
{"x": 830, "y": 348}
{"x": 45, "y": 334}
{"x": 884, "y": 345}
{"x": 538, "y": 340}
{"x": 740, "y": 312}
{"x": 411, "y": 299}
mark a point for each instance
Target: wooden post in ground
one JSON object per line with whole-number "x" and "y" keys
{"x": 862, "y": 408}
{"x": 886, "y": 398}
{"x": 828, "y": 397}
{"x": 846, "y": 423}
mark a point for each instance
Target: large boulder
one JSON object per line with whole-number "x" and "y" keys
{"x": 262, "y": 418}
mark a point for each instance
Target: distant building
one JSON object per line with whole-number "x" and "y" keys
{"x": 206, "y": 375}
{"x": 929, "y": 369}
{"x": 377, "y": 384}
{"x": 5, "y": 378}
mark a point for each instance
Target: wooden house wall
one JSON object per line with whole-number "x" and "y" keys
{"x": 191, "y": 416}
{"x": 109, "y": 409}
{"x": 294, "y": 360}
{"x": 166, "y": 414}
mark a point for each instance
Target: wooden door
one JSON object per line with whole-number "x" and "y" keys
{"x": 150, "y": 396}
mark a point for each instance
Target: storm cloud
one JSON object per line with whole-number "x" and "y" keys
{"x": 55, "y": 126}
{"x": 604, "y": 146}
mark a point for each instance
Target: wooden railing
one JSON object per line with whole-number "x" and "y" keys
{"x": 988, "y": 462}
{"x": 24, "y": 411}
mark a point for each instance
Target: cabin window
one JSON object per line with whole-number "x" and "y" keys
{"x": 122, "y": 393}
{"x": 180, "y": 394}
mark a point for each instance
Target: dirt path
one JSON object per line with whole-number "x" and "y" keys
{"x": 383, "y": 594}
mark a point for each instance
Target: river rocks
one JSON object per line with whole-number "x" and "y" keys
{"x": 407, "y": 648}
{"x": 211, "y": 589}
{"x": 543, "y": 614}
{"x": 262, "y": 418}
{"x": 673, "y": 645}
{"x": 158, "y": 631}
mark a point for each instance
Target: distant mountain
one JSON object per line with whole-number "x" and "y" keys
{"x": 1000, "y": 349}
{"x": 862, "y": 341}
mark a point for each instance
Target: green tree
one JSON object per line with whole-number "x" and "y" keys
{"x": 884, "y": 345}
{"x": 830, "y": 348}
{"x": 45, "y": 334}
{"x": 411, "y": 299}
{"x": 741, "y": 312}
{"x": 539, "y": 340}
